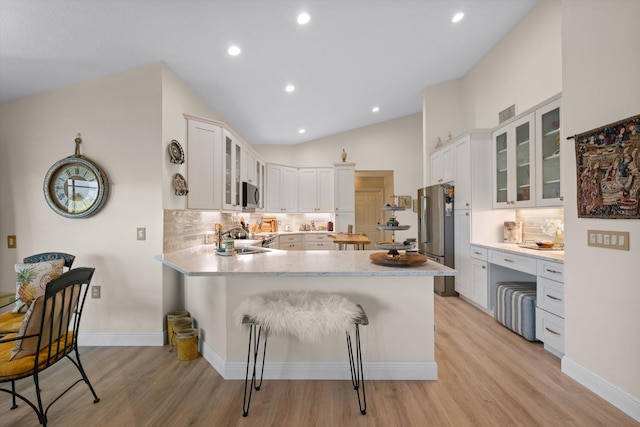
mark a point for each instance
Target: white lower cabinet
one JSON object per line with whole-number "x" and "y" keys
{"x": 550, "y": 306}
{"x": 462, "y": 245}
{"x": 479, "y": 280}
{"x": 291, "y": 242}
{"x": 314, "y": 242}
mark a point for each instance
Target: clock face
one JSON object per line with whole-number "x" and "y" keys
{"x": 75, "y": 187}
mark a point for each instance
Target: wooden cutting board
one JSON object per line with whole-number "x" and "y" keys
{"x": 401, "y": 260}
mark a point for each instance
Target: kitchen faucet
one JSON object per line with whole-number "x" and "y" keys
{"x": 228, "y": 232}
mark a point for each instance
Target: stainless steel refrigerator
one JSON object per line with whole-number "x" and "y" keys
{"x": 435, "y": 232}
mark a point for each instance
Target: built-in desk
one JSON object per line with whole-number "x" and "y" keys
{"x": 509, "y": 262}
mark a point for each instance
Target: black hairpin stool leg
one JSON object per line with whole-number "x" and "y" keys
{"x": 357, "y": 374}
{"x": 254, "y": 340}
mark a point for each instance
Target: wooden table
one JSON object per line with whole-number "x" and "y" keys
{"x": 343, "y": 239}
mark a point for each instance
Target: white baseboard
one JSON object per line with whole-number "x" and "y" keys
{"x": 322, "y": 370}
{"x": 120, "y": 339}
{"x": 627, "y": 403}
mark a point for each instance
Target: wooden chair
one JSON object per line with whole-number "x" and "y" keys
{"x": 9, "y": 321}
{"x": 50, "y": 335}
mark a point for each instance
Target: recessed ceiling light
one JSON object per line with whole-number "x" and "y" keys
{"x": 457, "y": 17}
{"x": 290, "y": 88}
{"x": 304, "y": 18}
{"x": 234, "y": 51}
{"x": 375, "y": 109}
{"x": 301, "y": 131}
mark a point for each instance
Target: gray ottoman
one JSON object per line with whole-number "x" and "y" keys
{"x": 516, "y": 307}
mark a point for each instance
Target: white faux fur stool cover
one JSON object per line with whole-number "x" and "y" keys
{"x": 308, "y": 316}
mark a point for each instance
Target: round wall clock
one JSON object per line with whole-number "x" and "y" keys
{"x": 76, "y": 187}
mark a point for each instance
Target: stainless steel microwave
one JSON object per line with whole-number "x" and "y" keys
{"x": 250, "y": 195}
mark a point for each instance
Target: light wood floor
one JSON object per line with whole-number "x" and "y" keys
{"x": 488, "y": 376}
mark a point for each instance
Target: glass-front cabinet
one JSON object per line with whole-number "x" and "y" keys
{"x": 514, "y": 164}
{"x": 232, "y": 170}
{"x": 549, "y": 155}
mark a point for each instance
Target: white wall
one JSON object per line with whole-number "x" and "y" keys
{"x": 127, "y": 121}
{"x": 120, "y": 120}
{"x": 602, "y": 286}
{"x": 523, "y": 68}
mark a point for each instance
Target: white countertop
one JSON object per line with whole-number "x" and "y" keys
{"x": 203, "y": 261}
{"x": 515, "y": 249}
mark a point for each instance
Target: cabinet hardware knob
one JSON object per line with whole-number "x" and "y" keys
{"x": 555, "y": 298}
{"x": 477, "y": 253}
{"x": 553, "y": 271}
{"x": 552, "y": 331}
{"x": 509, "y": 260}
{"x": 484, "y": 268}
{"x": 561, "y": 198}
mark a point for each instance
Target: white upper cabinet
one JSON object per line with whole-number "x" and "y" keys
{"x": 549, "y": 155}
{"x": 315, "y": 190}
{"x": 282, "y": 189}
{"x": 472, "y": 178}
{"x": 443, "y": 165}
{"x": 204, "y": 165}
{"x": 514, "y": 164}
{"x": 344, "y": 188}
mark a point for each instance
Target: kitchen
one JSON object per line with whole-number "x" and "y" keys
{"x": 135, "y": 271}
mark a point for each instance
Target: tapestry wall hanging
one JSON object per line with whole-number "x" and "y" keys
{"x": 608, "y": 170}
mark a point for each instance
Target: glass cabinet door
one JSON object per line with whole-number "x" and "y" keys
{"x": 523, "y": 162}
{"x": 228, "y": 171}
{"x": 237, "y": 177}
{"x": 501, "y": 167}
{"x": 549, "y": 155}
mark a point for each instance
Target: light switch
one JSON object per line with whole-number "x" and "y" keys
{"x": 142, "y": 233}
{"x": 608, "y": 239}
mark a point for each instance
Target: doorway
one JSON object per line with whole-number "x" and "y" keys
{"x": 373, "y": 190}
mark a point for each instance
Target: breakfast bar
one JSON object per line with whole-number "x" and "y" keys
{"x": 398, "y": 343}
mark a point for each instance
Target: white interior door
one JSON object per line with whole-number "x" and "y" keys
{"x": 369, "y": 214}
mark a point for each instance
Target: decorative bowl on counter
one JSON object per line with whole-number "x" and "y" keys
{"x": 545, "y": 245}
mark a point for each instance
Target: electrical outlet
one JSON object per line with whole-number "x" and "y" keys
{"x": 608, "y": 239}
{"x": 95, "y": 291}
{"x": 11, "y": 242}
{"x": 141, "y": 233}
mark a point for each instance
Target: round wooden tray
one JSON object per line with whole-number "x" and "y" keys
{"x": 400, "y": 260}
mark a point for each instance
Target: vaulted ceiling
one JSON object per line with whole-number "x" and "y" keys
{"x": 352, "y": 55}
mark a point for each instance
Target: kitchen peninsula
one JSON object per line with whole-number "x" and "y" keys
{"x": 398, "y": 343}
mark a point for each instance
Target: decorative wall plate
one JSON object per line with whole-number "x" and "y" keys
{"x": 176, "y": 154}
{"x": 180, "y": 185}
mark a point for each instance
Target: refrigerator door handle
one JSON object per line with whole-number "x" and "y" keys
{"x": 425, "y": 225}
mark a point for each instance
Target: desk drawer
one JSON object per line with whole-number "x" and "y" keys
{"x": 317, "y": 238}
{"x": 479, "y": 253}
{"x": 550, "y": 330}
{"x": 311, "y": 246}
{"x": 551, "y": 270}
{"x": 290, "y": 238}
{"x": 514, "y": 262}
{"x": 550, "y": 296}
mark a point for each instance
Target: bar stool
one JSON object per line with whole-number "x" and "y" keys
{"x": 308, "y": 316}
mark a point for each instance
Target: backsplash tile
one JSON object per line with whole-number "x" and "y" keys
{"x": 184, "y": 229}
{"x": 532, "y": 221}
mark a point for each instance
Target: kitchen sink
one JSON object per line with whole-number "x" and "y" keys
{"x": 246, "y": 250}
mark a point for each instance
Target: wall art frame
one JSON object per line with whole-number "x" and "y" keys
{"x": 608, "y": 170}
